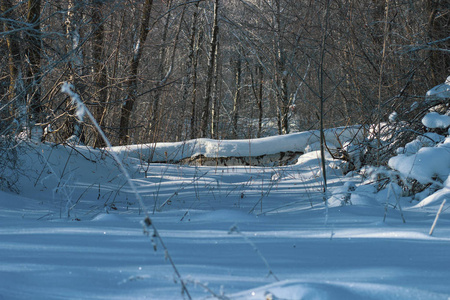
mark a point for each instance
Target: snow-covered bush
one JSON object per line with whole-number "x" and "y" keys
{"x": 410, "y": 152}
{"x": 427, "y": 158}
{"x": 423, "y": 164}
{"x": 409, "y": 128}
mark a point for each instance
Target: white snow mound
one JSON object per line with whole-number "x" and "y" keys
{"x": 440, "y": 91}
{"x": 427, "y": 165}
{"x": 435, "y": 120}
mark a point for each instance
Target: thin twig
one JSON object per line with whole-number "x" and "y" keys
{"x": 437, "y": 217}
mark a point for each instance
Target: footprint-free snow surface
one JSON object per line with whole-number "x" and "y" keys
{"x": 75, "y": 231}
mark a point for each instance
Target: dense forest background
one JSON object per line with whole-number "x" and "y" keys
{"x": 171, "y": 70}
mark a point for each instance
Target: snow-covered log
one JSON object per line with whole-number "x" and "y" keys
{"x": 245, "y": 152}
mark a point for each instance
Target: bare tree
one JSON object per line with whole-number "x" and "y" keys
{"x": 259, "y": 96}
{"x": 210, "y": 72}
{"x": 33, "y": 54}
{"x": 216, "y": 102}
{"x": 195, "y": 53}
{"x": 439, "y": 35}
{"x": 190, "y": 77}
{"x": 133, "y": 77}
{"x": 167, "y": 58}
{"x": 281, "y": 71}
{"x": 321, "y": 74}
{"x": 76, "y": 58}
{"x": 99, "y": 67}
{"x": 16, "y": 90}
{"x": 189, "y": 84}
{"x": 237, "y": 94}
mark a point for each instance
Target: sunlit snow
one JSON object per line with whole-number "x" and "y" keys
{"x": 75, "y": 230}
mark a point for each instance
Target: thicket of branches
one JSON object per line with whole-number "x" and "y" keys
{"x": 169, "y": 70}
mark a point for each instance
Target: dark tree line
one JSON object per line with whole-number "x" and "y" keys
{"x": 153, "y": 70}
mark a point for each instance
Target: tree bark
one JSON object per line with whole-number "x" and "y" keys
{"x": 237, "y": 96}
{"x": 75, "y": 52}
{"x": 215, "y": 99}
{"x": 322, "y": 98}
{"x": 33, "y": 53}
{"x": 16, "y": 89}
{"x": 281, "y": 75}
{"x": 154, "y": 107}
{"x": 195, "y": 42}
{"x": 190, "y": 78}
{"x": 257, "y": 88}
{"x": 210, "y": 72}
{"x": 132, "y": 79}
{"x": 259, "y": 102}
{"x": 99, "y": 68}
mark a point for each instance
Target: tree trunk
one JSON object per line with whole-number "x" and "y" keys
{"x": 381, "y": 80}
{"x": 237, "y": 96}
{"x": 100, "y": 78}
{"x": 154, "y": 107}
{"x": 75, "y": 52}
{"x": 196, "y": 55}
{"x": 73, "y": 34}
{"x": 259, "y": 98}
{"x": 257, "y": 88}
{"x": 438, "y": 29}
{"x": 16, "y": 89}
{"x": 321, "y": 72}
{"x": 210, "y": 72}
{"x": 191, "y": 70}
{"x": 33, "y": 53}
{"x": 284, "y": 105}
{"x": 258, "y": 95}
{"x": 132, "y": 79}
{"x": 215, "y": 99}
{"x": 165, "y": 68}
{"x": 281, "y": 75}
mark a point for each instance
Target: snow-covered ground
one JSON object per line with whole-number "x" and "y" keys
{"x": 76, "y": 231}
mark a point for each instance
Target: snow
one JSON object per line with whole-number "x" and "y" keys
{"x": 435, "y": 120}
{"x": 441, "y": 91}
{"x": 393, "y": 117}
{"x": 75, "y": 229}
{"x": 425, "y": 164}
{"x": 75, "y": 98}
{"x": 296, "y": 142}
